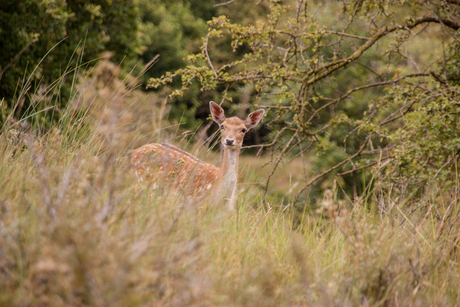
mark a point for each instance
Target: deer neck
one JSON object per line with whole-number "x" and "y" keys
{"x": 229, "y": 168}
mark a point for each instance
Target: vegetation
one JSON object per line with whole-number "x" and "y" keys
{"x": 76, "y": 229}
{"x": 47, "y": 40}
{"x": 346, "y": 79}
{"x": 352, "y": 198}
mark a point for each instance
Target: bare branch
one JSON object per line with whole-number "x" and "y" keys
{"x": 331, "y": 169}
{"x": 209, "y": 59}
{"x": 450, "y": 23}
{"x": 339, "y": 164}
{"x": 272, "y": 143}
{"x": 364, "y": 87}
{"x": 281, "y": 155}
{"x": 437, "y": 77}
{"x": 224, "y": 3}
{"x": 358, "y": 168}
{"x": 377, "y": 151}
{"x": 15, "y": 58}
{"x": 335, "y": 65}
{"x": 348, "y": 35}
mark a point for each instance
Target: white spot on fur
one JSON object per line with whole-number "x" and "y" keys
{"x": 208, "y": 186}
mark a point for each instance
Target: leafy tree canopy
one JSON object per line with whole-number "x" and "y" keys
{"x": 352, "y": 80}
{"x": 43, "y": 39}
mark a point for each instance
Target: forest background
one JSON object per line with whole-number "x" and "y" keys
{"x": 358, "y": 150}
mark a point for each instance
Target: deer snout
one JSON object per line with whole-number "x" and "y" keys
{"x": 229, "y": 142}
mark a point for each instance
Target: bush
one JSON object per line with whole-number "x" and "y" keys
{"x": 39, "y": 37}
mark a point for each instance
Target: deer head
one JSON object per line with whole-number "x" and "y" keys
{"x": 233, "y": 129}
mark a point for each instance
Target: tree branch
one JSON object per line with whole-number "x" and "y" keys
{"x": 281, "y": 155}
{"x": 411, "y": 23}
{"x": 357, "y": 168}
{"x": 450, "y": 23}
{"x": 209, "y": 59}
{"x": 339, "y": 164}
{"x": 332, "y": 168}
{"x": 364, "y": 87}
{"x": 15, "y": 58}
{"x": 348, "y": 35}
{"x": 222, "y": 4}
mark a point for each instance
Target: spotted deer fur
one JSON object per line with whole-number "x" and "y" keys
{"x": 159, "y": 163}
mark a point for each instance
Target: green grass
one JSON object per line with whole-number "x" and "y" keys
{"x": 77, "y": 229}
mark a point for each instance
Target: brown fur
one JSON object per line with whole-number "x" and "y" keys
{"x": 158, "y": 163}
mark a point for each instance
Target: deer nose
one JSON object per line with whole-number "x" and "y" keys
{"x": 229, "y": 142}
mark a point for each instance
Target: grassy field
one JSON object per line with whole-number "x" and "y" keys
{"x": 76, "y": 229}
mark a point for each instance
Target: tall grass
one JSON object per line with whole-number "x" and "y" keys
{"x": 76, "y": 229}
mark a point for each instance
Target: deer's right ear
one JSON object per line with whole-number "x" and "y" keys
{"x": 217, "y": 112}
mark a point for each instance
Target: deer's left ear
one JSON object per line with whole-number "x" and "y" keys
{"x": 254, "y": 118}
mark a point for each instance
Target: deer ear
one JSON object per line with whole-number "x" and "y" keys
{"x": 217, "y": 112}
{"x": 254, "y": 118}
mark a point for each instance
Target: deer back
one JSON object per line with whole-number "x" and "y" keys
{"x": 160, "y": 164}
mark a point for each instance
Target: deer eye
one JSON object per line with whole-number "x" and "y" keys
{"x": 244, "y": 130}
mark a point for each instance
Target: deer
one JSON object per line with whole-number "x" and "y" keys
{"x": 158, "y": 163}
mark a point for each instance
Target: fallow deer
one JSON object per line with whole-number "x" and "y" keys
{"x": 158, "y": 163}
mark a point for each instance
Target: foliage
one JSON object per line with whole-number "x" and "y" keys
{"x": 174, "y": 30}
{"x": 425, "y": 147}
{"x": 324, "y": 71}
{"x": 76, "y": 229}
{"x": 47, "y": 40}
{"x": 171, "y": 30}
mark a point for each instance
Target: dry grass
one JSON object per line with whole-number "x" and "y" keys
{"x": 76, "y": 229}
{"x": 289, "y": 177}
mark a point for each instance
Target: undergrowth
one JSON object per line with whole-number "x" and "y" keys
{"x": 76, "y": 229}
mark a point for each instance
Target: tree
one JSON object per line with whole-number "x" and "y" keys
{"x": 352, "y": 80}
{"x": 45, "y": 39}
{"x": 176, "y": 29}
{"x": 171, "y": 30}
